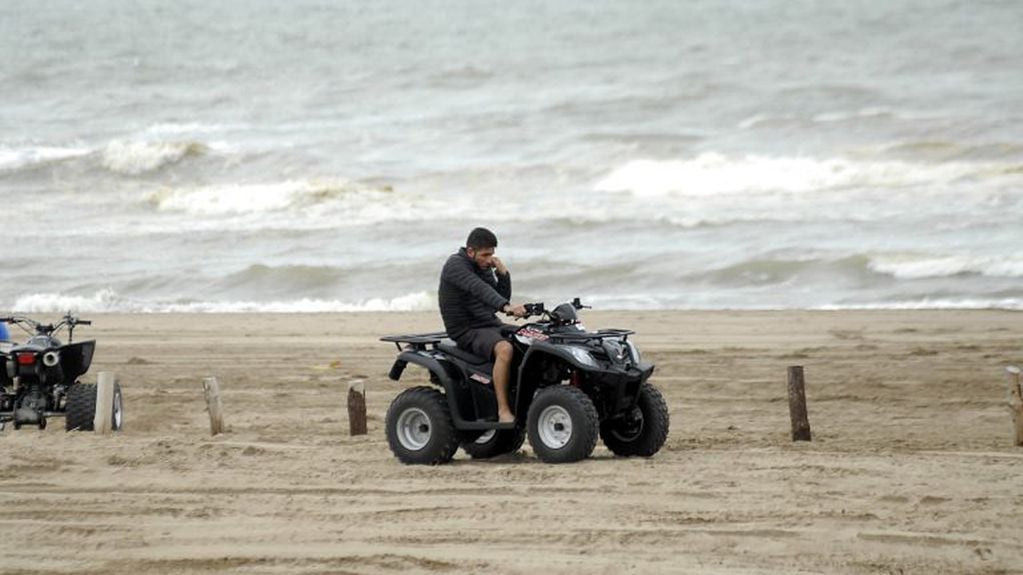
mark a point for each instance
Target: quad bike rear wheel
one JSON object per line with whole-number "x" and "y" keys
{"x": 419, "y": 427}
{"x": 562, "y": 424}
{"x": 495, "y": 442}
{"x": 81, "y": 408}
{"x": 643, "y": 430}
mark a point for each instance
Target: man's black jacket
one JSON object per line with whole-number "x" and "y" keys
{"x": 469, "y": 296}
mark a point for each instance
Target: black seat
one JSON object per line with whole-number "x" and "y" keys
{"x": 449, "y": 347}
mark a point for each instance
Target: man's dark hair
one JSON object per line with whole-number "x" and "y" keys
{"x": 481, "y": 238}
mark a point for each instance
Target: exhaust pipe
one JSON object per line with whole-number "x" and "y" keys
{"x": 51, "y": 358}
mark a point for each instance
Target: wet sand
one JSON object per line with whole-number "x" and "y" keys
{"x": 911, "y": 470}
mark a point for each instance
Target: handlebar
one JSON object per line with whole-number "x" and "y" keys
{"x": 33, "y": 327}
{"x": 538, "y": 309}
{"x": 533, "y": 309}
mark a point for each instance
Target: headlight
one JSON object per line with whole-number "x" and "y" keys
{"x": 613, "y": 350}
{"x": 583, "y": 356}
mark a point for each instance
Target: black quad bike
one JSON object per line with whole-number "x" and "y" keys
{"x": 39, "y": 378}
{"x": 567, "y": 386}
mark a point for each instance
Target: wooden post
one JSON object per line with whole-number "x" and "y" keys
{"x": 797, "y": 404}
{"x": 213, "y": 404}
{"x": 357, "y": 407}
{"x": 1016, "y": 401}
{"x": 103, "y": 420}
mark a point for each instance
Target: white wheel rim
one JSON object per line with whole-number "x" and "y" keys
{"x": 554, "y": 426}
{"x": 118, "y": 411}
{"x": 413, "y": 429}
{"x": 487, "y": 436}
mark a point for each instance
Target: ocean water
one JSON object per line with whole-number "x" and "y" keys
{"x": 318, "y": 155}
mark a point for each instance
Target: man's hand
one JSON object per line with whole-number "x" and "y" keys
{"x": 499, "y": 265}
{"x": 515, "y": 310}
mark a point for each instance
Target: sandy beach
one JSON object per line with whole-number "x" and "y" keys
{"x": 258, "y": 191}
{"x": 911, "y": 470}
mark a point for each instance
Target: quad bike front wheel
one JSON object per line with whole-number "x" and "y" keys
{"x": 419, "y": 427}
{"x": 495, "y": 442}
{"x": 562, "y": 424}
{"x": 81, "y": 408}
{"x": 642, "y": 430}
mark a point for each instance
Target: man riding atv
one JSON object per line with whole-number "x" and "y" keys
{"x": 474, "y": 284}
{"x": 566, "y": 384}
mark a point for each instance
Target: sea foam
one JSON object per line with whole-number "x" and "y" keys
{"x": 139, "y": 157}
{"x": 13, "y": 159}
{"x": 924, "y": 266}
{"x": 256, "y": 198}
{"x": 107, "y": 300}
{"x": 712, "y": 173}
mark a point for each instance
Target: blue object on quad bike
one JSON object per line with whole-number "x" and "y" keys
{"x": 566, "y": 385}
{"x": 4, "y": 335}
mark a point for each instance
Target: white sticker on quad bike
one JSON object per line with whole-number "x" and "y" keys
{"x": 479, "y": 378}
{"x": 531, "y": 333}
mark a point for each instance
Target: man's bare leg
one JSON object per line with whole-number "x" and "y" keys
{"x": 503, "y": 354}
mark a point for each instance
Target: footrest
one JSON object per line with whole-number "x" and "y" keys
{"x": 485, "y": 425}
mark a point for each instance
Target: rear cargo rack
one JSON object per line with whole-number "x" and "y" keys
{"x": 417, "y": 341}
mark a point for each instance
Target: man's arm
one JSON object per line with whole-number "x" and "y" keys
{"x": 460, "y": 273}
{"x": 505, "y": 289}
{"x": 504, "y": 286}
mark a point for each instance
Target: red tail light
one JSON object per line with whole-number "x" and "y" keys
{"x": 26, "y": 358}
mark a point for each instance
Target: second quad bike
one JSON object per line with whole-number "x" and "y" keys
{"x": 39, "y": 378}
{"x": 567, "y": 387}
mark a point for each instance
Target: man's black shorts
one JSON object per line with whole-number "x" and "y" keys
{"x": 481, "y": 341}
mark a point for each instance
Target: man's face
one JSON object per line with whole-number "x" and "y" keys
{"x": 484, "y": 257}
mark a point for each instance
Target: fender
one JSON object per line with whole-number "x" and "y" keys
{"x": 76, "y": 358}
{"x": 428, "y": 361}
{"x": 529, "y": 370}
{"x": 446, "y": 376}
{"x": 621, "y": 385}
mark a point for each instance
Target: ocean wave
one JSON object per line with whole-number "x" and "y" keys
{"x": 767, "y": 270}
{"x": 755, "y": 120}
{"x": 291, "y": 278}
{"x": 260, "y": 198}
{"x": 856, "y": 115}
{"x": 103, "y": 300}
{"x": 14, "y": 159}
{"x": 865, "y": 267}
{"x": 937, "y": 149}
{"x": 913, "y": 266}
{"x": 107, "y": 300}
{"x": 926, "y": 303}
{"x": 712, "y": 174}
{"x": 767, "y": 121}
{"x": 134, "y": 158}
{"x": 179, "y": 129}
{"x": 125, "y": 157}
